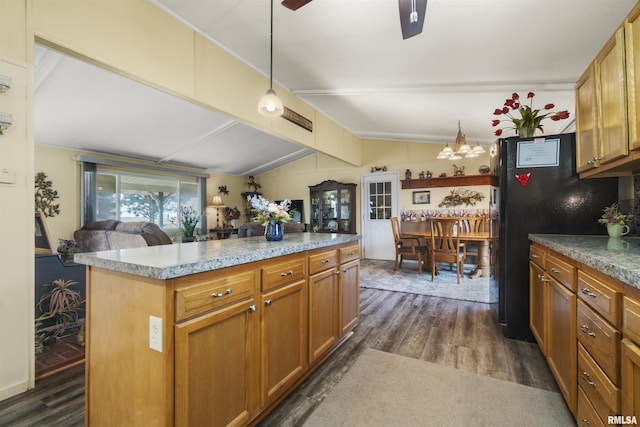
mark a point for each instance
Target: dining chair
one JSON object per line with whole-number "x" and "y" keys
{"x": 472, "y": 224}
{"x": 445, "y": 245}
{"x": 407, "y": 247}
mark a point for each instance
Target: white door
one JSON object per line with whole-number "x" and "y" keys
{"x": 379, "y": 204}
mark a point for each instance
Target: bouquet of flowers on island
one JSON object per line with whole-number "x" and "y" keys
{"x": 266, "y": 212}
{"x": 529, "y": 119}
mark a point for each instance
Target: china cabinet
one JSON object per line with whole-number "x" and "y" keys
{"x": 333, "y": 207}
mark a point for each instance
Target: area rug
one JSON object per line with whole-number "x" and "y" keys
{"x": 383, "y": 389}
{"x": 378, "y": 274}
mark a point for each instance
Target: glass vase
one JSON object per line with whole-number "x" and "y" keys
{"x": 273, "y": 232}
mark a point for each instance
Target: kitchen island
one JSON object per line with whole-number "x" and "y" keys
{"x": 213, "y": 333}
{"x": 584, "y": 310}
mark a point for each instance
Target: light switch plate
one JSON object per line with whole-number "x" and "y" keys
{"x": 6, "y": 176}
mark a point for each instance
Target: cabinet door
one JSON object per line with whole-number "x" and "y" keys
{"x": 349, "y": 295}
{"x": 630, "y": 377}
{"x": 586, "y": 142}
{"x": 612, "y": 100}
{"x": 284, "y": 338}
{"x": 216, "y": 373}
{"x": 537, "y": 293}
{"x": 632, "y": 40}
{"x": 324, "y": 329}
{"x": 561, "y": 340}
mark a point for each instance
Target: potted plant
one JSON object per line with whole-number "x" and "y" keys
{"x": 62, "y": 303}
{"x": 189, "y": 219}
{"x": 66, "y": 249}
{"x": 615, "y": 221}
{"x": 271, "y": 215}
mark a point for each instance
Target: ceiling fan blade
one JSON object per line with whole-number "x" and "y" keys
{"x": 409, "y": 24}
{"x": 294, "y": 4}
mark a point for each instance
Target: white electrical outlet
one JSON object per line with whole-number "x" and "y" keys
{"x": 155, "y": 333}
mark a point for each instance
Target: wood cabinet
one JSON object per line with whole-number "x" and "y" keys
{"x": 607, "y": 100}
{"x": 234, "y": 341}
{"x": 561, "y": 340}
{"x": 632, "y": 44}
{"x": 349, "y": 287}
{"x": 333, "y": 207}
{"x": 630, "y": 363}
{"x": 589, "y": 330}
{"x": 537, "y": 299}
{"x": 215, "y": 387}
{"x": 283, "y": 338}
{"x": 324, "y": 316}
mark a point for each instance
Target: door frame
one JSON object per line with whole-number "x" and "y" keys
{"x": 393, "y": 176}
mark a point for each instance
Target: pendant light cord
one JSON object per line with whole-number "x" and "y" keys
{"x": 271, "y": 51}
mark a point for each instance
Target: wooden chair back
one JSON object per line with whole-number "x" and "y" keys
{"x": 445, "y": 244}
{"x": 472, "y": 224}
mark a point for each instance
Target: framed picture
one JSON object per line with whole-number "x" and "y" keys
{"x": 421, "y": 197}
{"x": 43, "y": 241}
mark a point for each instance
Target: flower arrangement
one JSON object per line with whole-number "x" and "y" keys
{"x": 529, "y": 120}
{"x": 611, "y": 215}
{"x": 189, "y": 219}
{"x": 266, "y": 212}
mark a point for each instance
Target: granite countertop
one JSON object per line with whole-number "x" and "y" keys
{"x": 182, "y": 259}
{"x": 617, "y": 257}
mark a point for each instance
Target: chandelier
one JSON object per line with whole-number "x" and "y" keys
{"x": 460, "y": 148}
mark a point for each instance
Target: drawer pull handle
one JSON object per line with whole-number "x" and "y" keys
{"x": 534, "y": 256}
{"x": 541, "y": 277}
{"x": 586, "y": 421}
{"x": 586, "y": 330}
{"x": 586, "y": 377}
{"x": 324, "y": 261}
{"x": 227, "y": 292}
{"x": 338, "y": 272}
{"x": 588, "y": 292}
{"x": 289, "y": 273}
{"x": 555, "y": 270}
{"x": 252, "y": 308}
{"x": 351, "y": 253}
{"x": 268, "y": 303}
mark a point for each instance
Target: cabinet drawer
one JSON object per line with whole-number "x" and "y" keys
{"x": 537, "y": 255}
{"x": 282, "y": 273}
{"x": 602, "y": 393}
{"x": 587, "y": 415}
{"x": 213, "y": 294}
{"x": 562, "y": 271}
{"x": 631, "y": 319}
{"x": 604, "y": 300}
{"x": 349, "y": 253}
{"x": 601, "y": 340}
{"x": 322, "y": 261}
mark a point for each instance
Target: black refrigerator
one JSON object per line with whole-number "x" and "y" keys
{"x": 539, "y": 192}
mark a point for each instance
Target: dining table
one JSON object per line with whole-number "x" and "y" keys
{"x": 483, "y": 238}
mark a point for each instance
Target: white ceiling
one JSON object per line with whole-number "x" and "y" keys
{"x": 346, "y": 58}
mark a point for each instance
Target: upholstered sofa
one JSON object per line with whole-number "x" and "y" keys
{"x": 254, "y": 229}
{"x": 113, "y": 234}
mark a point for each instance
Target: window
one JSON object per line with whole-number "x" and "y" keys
{"x": 379, "y": 200}
{"x": 129, "y": 194}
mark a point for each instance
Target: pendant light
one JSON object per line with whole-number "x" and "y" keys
{"x": 270, "y": 104}
{"x": 459, "y": 149}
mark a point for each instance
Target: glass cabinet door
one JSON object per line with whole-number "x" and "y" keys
{"x": 332, "y": 206}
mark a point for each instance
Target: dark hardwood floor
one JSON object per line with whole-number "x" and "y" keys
{"x": 450, "y": 332}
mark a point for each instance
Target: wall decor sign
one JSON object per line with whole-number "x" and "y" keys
{"x": 538, "y": 153}
{"x": 421, "y": 197}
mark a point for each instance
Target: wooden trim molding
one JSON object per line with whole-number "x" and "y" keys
{"x": 450, "y": 181}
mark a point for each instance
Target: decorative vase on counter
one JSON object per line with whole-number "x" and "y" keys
{"x": 617, "y": 230}
{"x": 273, "y": 232}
